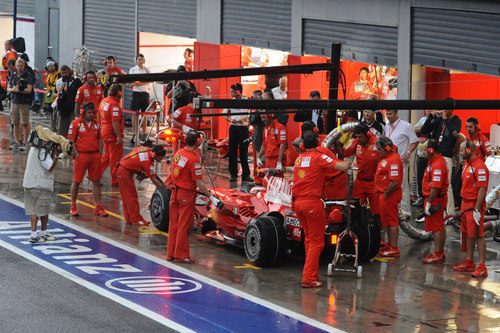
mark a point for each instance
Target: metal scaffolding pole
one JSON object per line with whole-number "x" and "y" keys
{"x": 220, "y": 73}
{"x": 294, "y": 106}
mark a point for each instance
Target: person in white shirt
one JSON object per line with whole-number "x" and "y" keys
{"x": 238, "y": 135}
{"x": 38, "y": 187}
{"x": 140, "y": 96}
{"x": 279, "y": 92}
{"x": 403, "y": 136}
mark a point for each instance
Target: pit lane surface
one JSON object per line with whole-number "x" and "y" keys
{"x": 393, "y": 295}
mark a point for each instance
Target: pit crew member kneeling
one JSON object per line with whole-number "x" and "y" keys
{"x": 388, "y": 180}
{"x": 139, "y": 162}
{"x": 185, "y": 171}
{"x": 274, "y": 143}
{"x": 434, "y": 188}
{"x": 85, "y": 133}
{"x": 475, "y": 177}
{"x": 38, "y": 186}
{"x": 311, "y": 169}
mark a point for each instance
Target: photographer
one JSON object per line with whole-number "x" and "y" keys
{"x": 38, "y": 188}
{"x": 21, "y": 87}
{"x": 67, "y": 86}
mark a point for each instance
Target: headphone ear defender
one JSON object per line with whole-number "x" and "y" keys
{"x": 430, "y": 151}
{"x": 478, "y": 127}
{"x": 302, "y": 146}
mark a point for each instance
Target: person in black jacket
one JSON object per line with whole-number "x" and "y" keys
{"x": 444, "y": 128}
{"x": 316, "y": 116}
{"x": 67, "y": 87}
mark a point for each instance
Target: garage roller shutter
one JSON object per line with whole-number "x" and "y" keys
{"x": 265, "y": 24}
{"x": 456, "y": 40}
{"x": 168, "y": 17}
{"x": 110, "y": 30}
{"x": 24, "y": 7}
{"x": 360, "y": 42}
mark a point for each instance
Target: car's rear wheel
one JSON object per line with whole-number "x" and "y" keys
{"x": 159, "y": 208}
{"x": 265, "y": 241}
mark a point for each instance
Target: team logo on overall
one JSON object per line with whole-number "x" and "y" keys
{"x": 299, "y": 160}
{"x": 176, "y": 172}
{"x": 301, "y": 173}
{"x": 176, "y": 158}
{"x": 153, "y": 285}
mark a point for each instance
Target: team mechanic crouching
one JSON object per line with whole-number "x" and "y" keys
{"x": 185, "y": 172}
{"x": 388, "y": 180}
{"x": 139, "y": 162}
{"x": 434, "y": 188}
{"x": 311, "y": 169}
{"x": 475, "y": 177}
{"x": 85, "y": 133}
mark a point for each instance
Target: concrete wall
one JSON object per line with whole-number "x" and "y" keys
{"x": 208, "y": 21}
{"x": 70, "y": 29}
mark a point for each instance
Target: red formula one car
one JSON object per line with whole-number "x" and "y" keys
{"x": 261, "y": 220}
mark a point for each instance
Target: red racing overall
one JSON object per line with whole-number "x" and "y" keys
{"x": 436, "y": 176}
{"x": 182, "y": 115}
{"x": 109, "y": 111}
{"x": 390, "y": 168}
{"x": 185, "y": 170}
{"x": 86, "y": 138}
{"x": 368, "y": 159}
{"x": 311, "y": 169}
{"x": 139, "y": 161}
{"x": 475, "y": 174}
{"x": 274, "y": 136}
{"x": 89, "y": 94}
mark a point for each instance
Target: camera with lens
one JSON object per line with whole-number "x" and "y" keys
{"x": 22, "y": 85}
{"x": 49, "y": 146}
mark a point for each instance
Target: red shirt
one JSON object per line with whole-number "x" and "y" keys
{"x": 185, "y": 169}
{"x": 435, "y": 176}
{"x": 182, "y": 115}
{"x": 88, "y": 94}
{"x": 115, "y": 71}
{"x": 109, "y": 111}
{"x": 311, "y": 169}
{"x": 140, "y": 161}
{"x": 85, "y": 135}
{"x": 390, "y": 168}
{"x": 475, "y": 174}
{"x": 188, "y": 64}
{"x": 483, "y": 148}
{"x": 274, "y": 135}
{"x": 367, "y": 157}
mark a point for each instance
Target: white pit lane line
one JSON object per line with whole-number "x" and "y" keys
{"x": 141, "y": 309}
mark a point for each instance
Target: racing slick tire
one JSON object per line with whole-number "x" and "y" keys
{"x": 265, "y": 241}
{"x": 159, "y": 208}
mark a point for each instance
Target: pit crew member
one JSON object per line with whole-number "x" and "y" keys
{"x": 434, "y": 188}
{"x": 110, "y": 69}
{"x": 367, "y": 157}
{"x": 186, "y": 173}
{"x": 475, "y": 177}
{"x": 112, "y": 126}
{"x": 274, "y": 143}
{"x": 85, "y": 133}
{"x": 483, "y": 147}
{"x": 388, "y": 179}
{"x": 90, "y": 92}
{"x": 139, "y": 162}
{"x": 183, "y": 121}
{"x": 311, "y": 169}
{"x": 336, "y": 186}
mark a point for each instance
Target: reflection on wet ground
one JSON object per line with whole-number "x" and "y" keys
{"x": 394, "y": 295}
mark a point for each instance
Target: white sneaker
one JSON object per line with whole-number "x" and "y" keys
{"x": 37, "y": 239}
{"x": 48, "y": 237}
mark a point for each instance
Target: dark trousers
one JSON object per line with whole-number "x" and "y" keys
{"x": 237, "y": 136}
{"x": 421, "y": 165}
